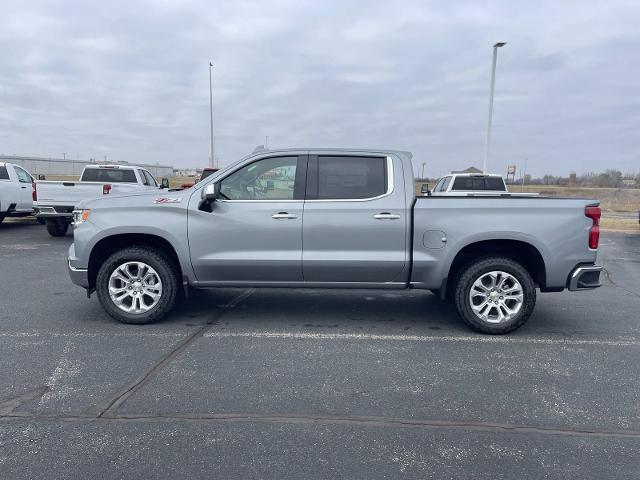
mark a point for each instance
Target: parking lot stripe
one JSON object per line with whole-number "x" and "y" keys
{"x": 624, "y": 341}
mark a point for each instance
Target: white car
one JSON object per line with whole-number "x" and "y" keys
{"x": 465, "y": 184}
{"x": 56, "y": 201}
{"x": 16, "y": 191}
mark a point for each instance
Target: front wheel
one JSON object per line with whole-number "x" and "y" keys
{"x": 57, "y": 227}
{"x": 137, "y": 285}
{"x": 495, "y": 295}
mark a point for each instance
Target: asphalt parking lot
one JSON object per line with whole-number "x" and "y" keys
{"x": 313, "y": 383}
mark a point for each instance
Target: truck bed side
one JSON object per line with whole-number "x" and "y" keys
{"x": 556, "y": 228}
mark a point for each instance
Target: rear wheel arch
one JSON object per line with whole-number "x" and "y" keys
{"x": 107, "y": 246}
{"x": 519, "y": 251}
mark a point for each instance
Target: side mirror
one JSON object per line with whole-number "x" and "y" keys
{"x": 211, "y": 192}
{"x": 424, "y": 189}
{"x": 164, "y": 183}
{"x": 209, "y": 195}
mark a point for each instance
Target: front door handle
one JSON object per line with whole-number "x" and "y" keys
{"x": 386, "y": 216}
{"x": 284, "y": 216}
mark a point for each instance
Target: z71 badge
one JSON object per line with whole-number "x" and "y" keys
{"x": 167, "y": 200}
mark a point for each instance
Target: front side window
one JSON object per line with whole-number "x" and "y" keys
{"x": 23, "y": 176}
{"x": 351, "y": 177}
{"x": 445, "y": 185}
{"x": 109, "y": 175}
{"x": 438, "y": 187}
{"x": 267, "y": 179}
{"x": 152, "y": 180}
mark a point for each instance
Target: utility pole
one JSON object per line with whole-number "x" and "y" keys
{"x": 524, "y": 174}
{"x": 266, "y": 142}
{"x": 64, "y": 156}
{"x": 491, "y": 90}
{"x": 212, "y": 148}
{"x": 422, "y": 175}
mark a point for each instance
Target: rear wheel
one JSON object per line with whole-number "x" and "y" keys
{"x": 57, "y": 227}
{"x": 137, "y": 285}
{"x": 495, "y": 295}
{"x": 41, "y": 221}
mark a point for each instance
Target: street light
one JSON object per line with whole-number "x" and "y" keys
{"x": 212, "y": 148}
{"x": 491, "y": 89}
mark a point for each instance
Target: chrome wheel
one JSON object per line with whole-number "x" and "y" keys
{"x": 496, "y": 297}
{"x": 135, "y": 287}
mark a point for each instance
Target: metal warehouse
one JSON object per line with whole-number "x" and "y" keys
{"x": 62, "y": 166}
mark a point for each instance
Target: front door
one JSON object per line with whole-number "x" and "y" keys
{"x": 355, "y": 220}
{"x": 254, "y": 231}
{"x": 25, "y": 189}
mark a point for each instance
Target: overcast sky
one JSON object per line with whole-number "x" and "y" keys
{"x": 129, "y": 80}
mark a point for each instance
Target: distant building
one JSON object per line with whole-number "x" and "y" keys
{"x": 629, "y": 182}
{"x": 66, "y": 166}
{"x": 468, "y": 170}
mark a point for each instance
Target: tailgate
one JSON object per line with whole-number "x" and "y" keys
{"x": 66, "y": 193}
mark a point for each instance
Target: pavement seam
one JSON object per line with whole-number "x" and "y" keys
{"x": 382, "y": 422}
{"x": 116, "y": 402}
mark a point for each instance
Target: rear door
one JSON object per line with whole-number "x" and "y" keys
{"x": 355, "y": 220}
{"x": 25, "y": 189}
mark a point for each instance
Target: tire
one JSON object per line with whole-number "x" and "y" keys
{"x": 57, "y": 228}
{"x": 1, "y": 218}
{"x": 41, "y": 221}
{"x": 159, "y": 267}
{"x": 494, "y": 318}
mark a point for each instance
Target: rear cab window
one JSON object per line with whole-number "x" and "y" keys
{"x": 4, "y": 174}
{"x": 478, "y": 183}
{"x": 109, "y": 175}
{"x": 347, "y": 177}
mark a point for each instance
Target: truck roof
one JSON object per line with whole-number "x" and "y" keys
{"x": 473, "y": 175}
{"x": 120, "y": 167}
{"x": 401, "y": 153}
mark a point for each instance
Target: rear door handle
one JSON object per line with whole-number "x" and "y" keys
{"x": 284, "y": 216}
{"x": 386, "y": 216}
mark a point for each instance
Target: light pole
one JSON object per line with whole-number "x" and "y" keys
{"x": 422, "y": 175}
{"x": 491, "y": 89}
{"x": 212, "y": 148}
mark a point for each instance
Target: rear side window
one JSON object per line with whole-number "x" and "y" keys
{"x": 4, "y": 175}
{"x": 478, "y": 183}
{"x": 109, "y": 175}
{"x": 351, "y": 177}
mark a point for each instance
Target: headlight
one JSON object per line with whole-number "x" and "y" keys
{"x": 80, "y": 216}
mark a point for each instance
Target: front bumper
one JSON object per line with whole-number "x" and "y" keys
{"x": 79, "y": 276}
{"x": 585, "y": 277}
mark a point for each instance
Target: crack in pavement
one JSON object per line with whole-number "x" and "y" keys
{"x": 609, "y": 277}
{"x": 114, "y": 404}
{"x": 8, "y": 406}
{"x": 383, "y": 422}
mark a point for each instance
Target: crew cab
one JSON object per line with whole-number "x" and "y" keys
{"x": 333, "y": 219}
{"x": 56, "y": 200}
{"x": 16, "y": 191}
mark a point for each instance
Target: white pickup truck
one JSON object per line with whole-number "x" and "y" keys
{"x": 16, "y": 191}
{"x": 56, "y": 200}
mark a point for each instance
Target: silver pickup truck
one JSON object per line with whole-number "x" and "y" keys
{"x": 333, "y": 219}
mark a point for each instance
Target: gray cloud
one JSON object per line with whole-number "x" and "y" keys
{"x": 129, "y": 80}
